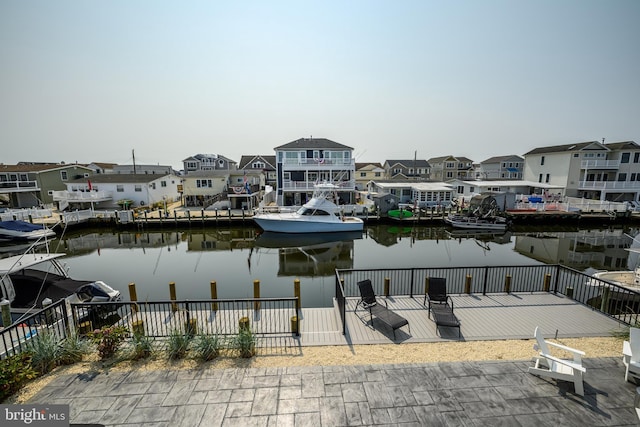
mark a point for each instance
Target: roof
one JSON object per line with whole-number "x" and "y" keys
{"x": 313, "y": 143}
{"x": 200, "y": 157}
{"x": 418, "y": 163}
{"x": 451, "y": 158}
{"x": 114, "y": 178}
{"x": 365, "y": 164}
{"x": 500, "y": 159}
{"x": 567, "y": 148}
{"x": 247, "y": 160}
{"x": 40, "y": 167}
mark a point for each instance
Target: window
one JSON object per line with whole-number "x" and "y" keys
{"x": 576, "y": 155}
{"x": 204, "y": 183}
{"x": 542, "y": 161}
{"x": 377, "y": 174}
{"x": 363, "y": 174}
{"x": 120, "y": 188}
{"x": 460, "y": 189}
{"x": 163, "y": 183}
{"x": 450, "y": 165}
{"x": 540, "y": 178}
{"x": 23, "y": 177}
{"x": 625, "y": 158}
{"x": 449, "y": 174}
{"x": 622, "y": 177}
{"x": 191, "y": 165}
{"x": 547, "y": 179}
{"x": 258, "y": 165}
{"x": 63, "y": 175}
{"x": 138, "y": 188}
{"x": 633, "y": 177}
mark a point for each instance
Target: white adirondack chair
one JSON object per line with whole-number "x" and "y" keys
{"x": 554, "y": 367}
{"x": 631, "y": 354}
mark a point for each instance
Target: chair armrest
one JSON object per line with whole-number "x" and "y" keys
{"x": 626, "y": 349}
{"x": 568, "y": 363}
{"x": 451, "y": 301}
{"x": 564, "y": 347}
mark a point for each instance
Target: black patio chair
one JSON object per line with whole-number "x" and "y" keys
{"x": 440, "y": 304}
{"x": 381, "y": 312}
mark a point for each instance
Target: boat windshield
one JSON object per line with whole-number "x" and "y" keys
{"x": 311, "y": 212}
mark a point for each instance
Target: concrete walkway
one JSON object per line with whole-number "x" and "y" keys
{"x": 434, "y": 394}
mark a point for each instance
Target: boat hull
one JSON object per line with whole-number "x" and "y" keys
{"x": 471, "y": 223}
{"x": 292, "y": 223}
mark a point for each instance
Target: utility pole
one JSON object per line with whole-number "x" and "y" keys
{"x": 133, "y": 154}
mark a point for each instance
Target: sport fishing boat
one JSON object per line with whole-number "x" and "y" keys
{"x": 319, "y": 215}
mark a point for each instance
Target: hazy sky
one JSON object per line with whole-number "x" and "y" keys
{"x": 93, "y": 80}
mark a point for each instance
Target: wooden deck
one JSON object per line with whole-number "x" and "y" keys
{"x": 490, "y": 317}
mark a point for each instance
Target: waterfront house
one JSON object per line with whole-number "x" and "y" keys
{"x": 102, "y": 167}
{"x": 591, "y": 170}
{"x": 450, "y": 167}
{"x": 366, "y": 172}
{"x": 416, "y": 169}
{"x": 109, "y": 191}
{"x": 27, "y": 185}
{"x": 466, "y": 189}
{"x": 207, "y": 162}
{"x": 265, "y": 164}
{"x": 302, "y": 163}
{"x": 420, "y": 194}
{"x": 204, "y": 188}
{"x": 500, "y": 167}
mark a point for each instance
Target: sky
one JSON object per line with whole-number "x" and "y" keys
{"x": 97, "y": 81}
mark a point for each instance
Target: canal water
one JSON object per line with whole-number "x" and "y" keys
{"x": 236, "y": 257}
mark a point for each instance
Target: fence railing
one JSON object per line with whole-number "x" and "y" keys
{"x": 18, "y": 337}
{"x": 608, "y": 298}
{"x": 264, "y": 316}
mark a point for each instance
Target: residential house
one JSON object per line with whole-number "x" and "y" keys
{"x": 207, "y": 162}
{"x": 266, "y": 164}
{"x": 204, "y": 188}
{"x": 25, "y": 185}
{"x": 407, "y": 169}
{"x": 107, "y": 191}
{"x": 366, "y": 172}
{"x": 450, "y": 167}
{"x": 102, "y": 167}
{"x": 419, "y": 194}
{"x": 592, "y": 170}
{"x": 302, "y": 163}
{"x": 500, "y": 167}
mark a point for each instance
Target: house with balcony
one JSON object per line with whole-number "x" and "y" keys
{"x": 208, "y": 162}
{"x": 118, "y": 191}
{"x": 414, "y": 169}
{"x": 418, "y": 194}
{"x": 264, "y": 164}
{"x": 590, "y": 170}
{"x": 366, "y": 172}
{"x": 450, "y": 167}
{"x": 25, "y": 185}
{"x": 500, "y": 167}
{"x": 302, "y": 163}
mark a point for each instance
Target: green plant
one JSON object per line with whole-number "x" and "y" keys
{"x": 45, "y": 351}
{"x": 207, "y": 347}
{"x": 108, "y": 339}
{"x": 72, "y": 349}
{"x": 178, "y": 344}
{"x": 245, "y": 342}
{"x": 15, "y": 371}
{"x": 142, "y": 347}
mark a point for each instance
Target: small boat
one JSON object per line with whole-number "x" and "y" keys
{"x": 23, "y": 231}
{"x": 29, "y": 279}
{"x": 400, "y": 213}
{"x": 476, "y": 223}
{"x": 629, "y": 279}
{"x": 319, "y": 215}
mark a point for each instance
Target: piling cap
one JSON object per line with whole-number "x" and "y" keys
{"x": 46, "y": 302}
{"x": 5, "y": 301}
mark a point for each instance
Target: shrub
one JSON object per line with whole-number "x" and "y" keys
{"x": 245, "y": 342}
{"x": 207, "y": 347}
{"x": 142, "y": 347}
{"x": 72, "y": 350}
{"x": 108, "y": 339}
{"x": 178, "y": 344}
{"x": 45, "y": 350}
{"x": 15, "y": 371}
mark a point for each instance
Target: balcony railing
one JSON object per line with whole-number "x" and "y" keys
{"x": 318, "y": 163}
{"x": 308, "y": 186}
{"x": 600, "y": 164}
{"x": 81, "y": 196}
{"x": 609, "y": 185}
{"x": 19, "y": 185}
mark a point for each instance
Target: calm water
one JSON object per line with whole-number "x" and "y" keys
{"x": 235, "y": 258}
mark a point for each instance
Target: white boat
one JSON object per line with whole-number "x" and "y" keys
{"x": 318, "y": 215}
{"x": 29, "y": 279}
{"x": 476, "y": 223}
{"x": 629, "y": 279}
{"x": 23, "y": 230}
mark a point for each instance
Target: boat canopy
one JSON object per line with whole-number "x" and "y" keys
{"x": 20, "y": 262}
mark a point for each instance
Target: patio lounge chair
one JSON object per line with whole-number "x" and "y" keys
{"x": 559, "y": 369}
{"x": 631, "y": 354}
{"x": 381, "y": 312}
{"x": 440, "y": 304}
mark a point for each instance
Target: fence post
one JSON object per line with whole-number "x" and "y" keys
{"x": 467, "y": 284}
{"x": 295, "y": 327}
{"x": 172, "y": 296}
{"x": 486, "y": 276}
{"x": 296, "y": 293}
{"x": 5, "y": 307}
{"x": 547, "y": 282}
{"x": 387, "y": 285}
{"x": 256, "y": 294}
{"x": 214, "y": 294}
{"x": 604, "y": 304}
{"x": 507, "y": 284}
{"x": 426, "y": 285}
